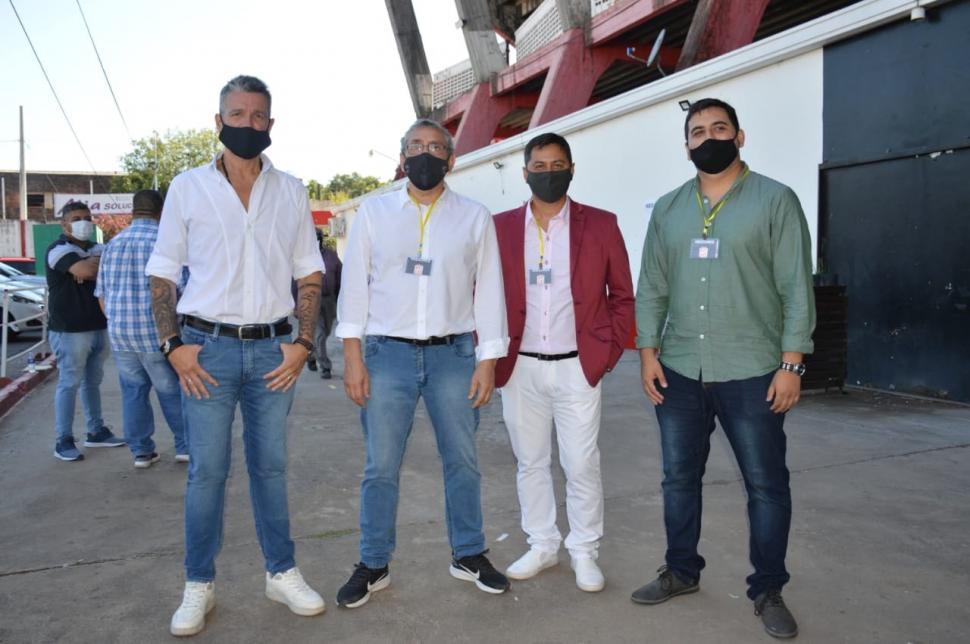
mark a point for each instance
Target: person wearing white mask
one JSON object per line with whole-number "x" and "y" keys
{"x": 77, "y": 331}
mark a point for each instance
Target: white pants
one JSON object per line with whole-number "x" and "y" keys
{"x": 538, "y": 394}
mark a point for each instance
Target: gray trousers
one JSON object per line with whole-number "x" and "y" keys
{"x": 328, "y": 313}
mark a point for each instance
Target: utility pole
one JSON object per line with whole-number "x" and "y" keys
{"x": 23, "y": 171}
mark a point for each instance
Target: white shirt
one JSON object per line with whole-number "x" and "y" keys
{"x": 550, "y": 321}
{"x": 462, "y": 293}
{"x": 241, "y": 263}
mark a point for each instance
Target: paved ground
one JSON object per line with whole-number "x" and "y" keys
{"x": 880, "y": 552}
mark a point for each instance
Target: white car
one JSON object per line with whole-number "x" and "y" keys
{"x": 8, "y": 272}
{"x": 26, "y": 300}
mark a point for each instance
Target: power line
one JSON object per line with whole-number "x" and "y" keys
{"x": 53, "y": 91}
{"x": 103, "y": 70}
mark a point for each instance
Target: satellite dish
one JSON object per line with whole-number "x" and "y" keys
{"x": 656, "y": 48}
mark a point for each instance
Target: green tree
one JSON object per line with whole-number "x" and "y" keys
{"x": 352, "y": 185}
{"x": 168, "y": 155}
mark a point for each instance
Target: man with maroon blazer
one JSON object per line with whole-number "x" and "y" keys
{"x": 569, "y": 298}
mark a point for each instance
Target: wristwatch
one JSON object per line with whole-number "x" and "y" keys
{"x": 306, "y": 344}
{"x": 171, "y": 345}
{"x": 797, "y": 369}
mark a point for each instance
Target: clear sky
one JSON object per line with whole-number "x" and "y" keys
{"x": 331, "y": 65}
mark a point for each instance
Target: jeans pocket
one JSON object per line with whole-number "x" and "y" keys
{"x": 372, "y": 344}
{"x": 464, "y": 346}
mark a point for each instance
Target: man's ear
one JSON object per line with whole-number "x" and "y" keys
{"x": 740, "y": 139}
{"x": 218, "y": 120}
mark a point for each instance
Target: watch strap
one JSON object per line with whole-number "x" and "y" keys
{"x": 171, "y": 345}
{"x": 306, "y": 344}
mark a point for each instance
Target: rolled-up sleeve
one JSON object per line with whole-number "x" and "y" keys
{"x": 171, "y": 251}
{"x": 792, "y": 268}
{"x": 491, "y": 323}
{"x": 652, "y": 287}
{"x": 354, "y": 299}
{"x": 306, "y": 254}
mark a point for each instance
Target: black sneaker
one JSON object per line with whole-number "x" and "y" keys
{"x": 311, "y": 364}
{"x": 66, "y": 450}
{"x": 665, "y": 586}
{"x": 143, "y": 461}
{"x": 103, "y": 438}
{"x": 361, "y": 584}
{"x": 326, "y": 374}
{"x": 478, "y": 569}
{"x": 776, "y": 617}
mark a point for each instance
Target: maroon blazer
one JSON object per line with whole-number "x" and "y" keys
{"x": 601, "y": 286}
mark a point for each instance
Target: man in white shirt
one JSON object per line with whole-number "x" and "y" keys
{"x": 244, "y": 230}
{"x": 421, "y": 273}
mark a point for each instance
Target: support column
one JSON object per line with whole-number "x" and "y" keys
{"x": 411, "y": 50}
{"x": 720, "y": 26}
{"x": 477, "y": 27}
{"x": 483, "y": 115}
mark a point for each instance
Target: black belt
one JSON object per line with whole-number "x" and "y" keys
{"x": 240, "y": 331}
{"x": 434, "y": 340}
{"x": 550, "y": 356}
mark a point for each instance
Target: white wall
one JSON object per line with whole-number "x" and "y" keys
{"x": 627, "y": 162}
{"x": 10, "y": 238}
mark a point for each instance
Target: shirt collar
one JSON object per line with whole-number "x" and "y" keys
{"x": 404, "y": 197}
{"x": 267, "y": 164}
{"x": 144, "y": 223}
{"x": 562, "y": 215}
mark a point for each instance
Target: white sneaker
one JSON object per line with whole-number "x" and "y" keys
{"x": 181, "y": 458}
{"x": 197, "y": 600}
{"x": 290, "y": 589}
{"x": 532, "y": 563}
{"x": 589, "y": 577}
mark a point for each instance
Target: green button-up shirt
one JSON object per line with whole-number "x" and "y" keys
{"x": 728, "y": 318}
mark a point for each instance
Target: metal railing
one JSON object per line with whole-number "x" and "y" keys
{"x": 9, "y": 320}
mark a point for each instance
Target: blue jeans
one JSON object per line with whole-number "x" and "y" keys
{"x": 138, "y": 372}
{"x": 80, "y": 365}
{"x": 400, "y": 374}
{"x": 238, "y": 366}
{"x": 757, "y": 437}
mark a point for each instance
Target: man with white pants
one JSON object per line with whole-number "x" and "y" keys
{"x": 569, "y": 298}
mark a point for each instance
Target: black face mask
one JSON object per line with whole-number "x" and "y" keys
{"x": 244, "y": 142}
{"x": 714, "y": 155}
{"x": 549, "y": 186}
{"x": 425, "y": 170}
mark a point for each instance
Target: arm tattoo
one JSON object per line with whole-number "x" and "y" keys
{"x": 308, "y": 304}
{"x": 163, "y": 307}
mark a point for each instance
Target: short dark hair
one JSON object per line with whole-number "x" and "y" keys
{"x": 706, "y": 104}
{"x": 147, "y": 202}
{"x": 549, "y": 138}
{"x": 74, "y": 205}
{"x": 243, "y": 83}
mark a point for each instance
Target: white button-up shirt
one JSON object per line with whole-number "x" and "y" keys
{"x": 462, "y": 293}
{"x": 241, "y": 263}
{"x": 550, "y": 321}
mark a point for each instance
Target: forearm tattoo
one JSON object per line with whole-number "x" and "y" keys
{"x": 163, "y": 307}
{"x": 308, "y": 304}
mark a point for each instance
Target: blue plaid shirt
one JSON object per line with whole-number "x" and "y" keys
{"x": 123, "y": 285}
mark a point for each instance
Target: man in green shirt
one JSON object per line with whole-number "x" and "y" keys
{"x": 725, "y": 313}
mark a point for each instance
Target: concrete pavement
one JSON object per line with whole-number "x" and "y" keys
{"x": 880, "y": 552}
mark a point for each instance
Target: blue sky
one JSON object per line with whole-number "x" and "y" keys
{"x": 332, "y": 66}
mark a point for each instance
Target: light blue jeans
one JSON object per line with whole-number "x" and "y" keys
{"x": 238, "y": 366}
{"x": 138, "y": 372}
{"x": 400, "y": 374}
{"x": 80, "y": 366}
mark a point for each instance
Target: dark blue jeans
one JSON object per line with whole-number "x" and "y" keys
{"x": 757, "y": 438}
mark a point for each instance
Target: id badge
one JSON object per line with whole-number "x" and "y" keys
{"x": 540, "y": 277}
{"x": 704, "y": 248}
{"x": 418, "y": 266}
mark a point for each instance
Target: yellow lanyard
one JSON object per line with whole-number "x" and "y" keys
{"x": 709, "y": 217}
{"x": 542, "y": 244}
{"x": 423, "y": 221}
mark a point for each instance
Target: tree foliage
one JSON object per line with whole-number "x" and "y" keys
{"x": 171, "y": 153}
{"x": 343, "y": 187}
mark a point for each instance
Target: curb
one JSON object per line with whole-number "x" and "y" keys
{"x": 14, "y": 392}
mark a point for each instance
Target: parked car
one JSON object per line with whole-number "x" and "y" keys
{"x": 27, "y": 265}
{"x": 9, "y": 272}
{"x": 26, "y": 300}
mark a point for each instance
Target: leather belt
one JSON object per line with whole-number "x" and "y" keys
{"x": 434, "y": 340}
{"x": 548, "y": 357}
{"x": 240, "y": 331}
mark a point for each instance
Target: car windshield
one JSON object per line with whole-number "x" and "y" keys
{"x": 10, "y": 271}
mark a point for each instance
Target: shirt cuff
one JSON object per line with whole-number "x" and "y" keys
{"x": 349, "y": 330}
{"x": 492, "y": 350}
{"x": 648, "y": 342}
{"x": 165, "y": 268}
{"x": 307, "y": 265}
{"x": 797, "y": 345}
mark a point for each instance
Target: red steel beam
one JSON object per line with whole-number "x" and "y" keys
{"x": 483, "y": 115}
{"x": 720, "y": 26}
